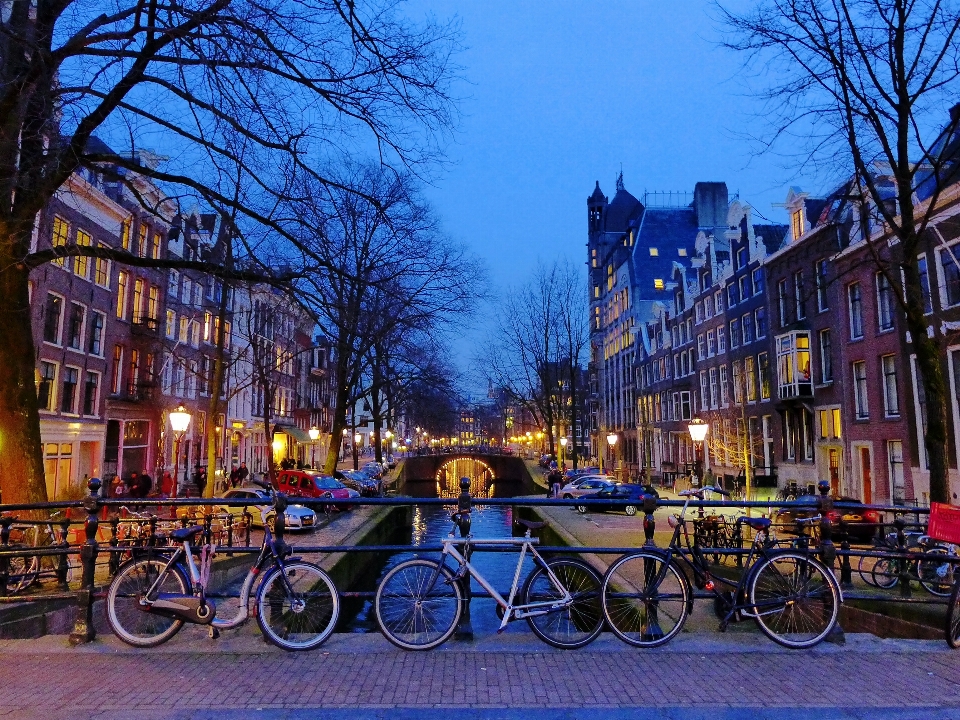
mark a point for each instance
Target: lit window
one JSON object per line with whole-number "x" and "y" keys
{"x": 658, "y": 284}
{"x": 682, "y": 252}
{"x": 654, "y": 252}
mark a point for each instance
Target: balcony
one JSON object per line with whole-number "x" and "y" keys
{"x": 136, "y": 392}
{"x": 146, "y": 326}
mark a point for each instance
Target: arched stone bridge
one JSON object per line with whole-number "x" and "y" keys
{"x": 484, "y": 470}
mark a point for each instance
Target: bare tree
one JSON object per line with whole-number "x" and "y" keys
{"x": 859, "y": 87}
{"x": 301, "y": 82}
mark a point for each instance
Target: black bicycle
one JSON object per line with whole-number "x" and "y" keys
{"x": 793, "y": 598}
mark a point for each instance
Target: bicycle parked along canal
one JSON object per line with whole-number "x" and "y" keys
{"x": 793, "y": 598}
{"x": 419, "y": 603}
{"x": 153, "y": 595}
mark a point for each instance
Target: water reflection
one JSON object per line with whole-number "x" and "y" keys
{"x": 481, "y": 477}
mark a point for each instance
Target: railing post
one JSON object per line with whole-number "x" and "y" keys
{"x": 63, "y": 565}
{"x": 208, "y": 528}
{"x": 846, "y": 571}
{"x": 229, "y": 520}
{"x": 828, "y": 552}
{"x": 5, "y": 523}
{"x": 464, "y": 509}
{"x": 152, "y": 541}
{"x": 903, "y": 565}
{"x": 83, "y": 631}
{"x": 247, "y": 522}
{"x": 114, "y": 562}
{"x": 649, "y": 523}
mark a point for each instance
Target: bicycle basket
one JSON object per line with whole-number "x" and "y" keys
{"x": 944, "y": 523}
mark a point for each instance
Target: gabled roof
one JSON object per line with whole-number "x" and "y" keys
{"x": 772, "y": 236}
{"x": 597, "y": 195}
{"x": 624, "y": 208}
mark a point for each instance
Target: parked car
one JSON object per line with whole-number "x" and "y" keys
{"x": 361, "y": 482}
{"x": 862, "y": 523}
{"x": 374, "y": 470}
{"x": 630, "y": 497}
{"x": 586, "y": 485}
{"x": 391, "y": 462}
{"x": 544, "y": 461}
{"x": 296, "y": 517}
{"x": 589, "y": 470}
{"x": 305, "y": 483}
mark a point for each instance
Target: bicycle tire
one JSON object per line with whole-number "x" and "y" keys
{"x": 952, "y": 627}
{"x": 574, "y": 625}
{"x": 24, "y": 571}
{"x": 304, "y": 619}
{"x": 128, "y": 621}
{"x": 865, "y": 568}
{"x": 932, "y": 574}
{"x": 414, "y": 614}
{"x": 885, "y": 573}
{"x": 646, "y": 600}
{"x": 795, "y": 598}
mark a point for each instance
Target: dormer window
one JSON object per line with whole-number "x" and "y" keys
{"x": 658, "y": 284}
{"x": 796, "y": 223}
{"x": 654, "y": 252}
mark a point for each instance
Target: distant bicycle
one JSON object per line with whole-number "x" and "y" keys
{"x": 419, "y": 603}
{"x": 150, "y": 598}
{"x": 793, "y": 598}
{"x": 26, "y": 569}
{"x": 933, "y": 574}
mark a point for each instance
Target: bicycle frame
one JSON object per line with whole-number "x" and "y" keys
{"x": 510, "y": 611}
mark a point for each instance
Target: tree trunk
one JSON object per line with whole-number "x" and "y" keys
{"x": 22, "y": 479}
{"x": 339, "y": 413}
{"x": 216, "y": 389}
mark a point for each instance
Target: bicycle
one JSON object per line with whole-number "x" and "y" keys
{"x": 932, "y": 574}
{"x": 419, "y": 602}
{"x": 793, "y": 598}
{"x": 953, "y": 617}
{"x": 25, "y": 569}
{"x": 150, "y": 598}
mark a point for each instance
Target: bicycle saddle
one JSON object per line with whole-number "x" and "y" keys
{"x": 755, "y": 523}
{"x": 531, "y": 524}
{"x": 186, "y": 533}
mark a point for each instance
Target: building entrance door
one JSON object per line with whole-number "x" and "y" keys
{"x": 866, "y": 478}
{"x": 834, "y": 471}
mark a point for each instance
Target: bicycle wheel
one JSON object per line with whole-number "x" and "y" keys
{"x": 645, "y": 599}
{"x": 129, "y": 620}
{"x": 953, "y": 617}
{"x": 298, "y": 607}
{"x": 865, "y": 567}
{"x": 885, "y": 573}
{"x": 565, "y": 626}
{"x": 934, "y": 574}
{"x": 418, "y": 604}
{"x": 24, "y": 571}
{"x": 796, "y": 599}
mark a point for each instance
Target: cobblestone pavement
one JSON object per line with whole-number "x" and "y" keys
{"x": 510, "y": 677}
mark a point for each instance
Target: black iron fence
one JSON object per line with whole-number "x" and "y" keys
{"x": 87, "y": 540}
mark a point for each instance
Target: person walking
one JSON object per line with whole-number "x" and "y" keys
{"x": 242, "y": 474}
{"x": 554, "y": 480}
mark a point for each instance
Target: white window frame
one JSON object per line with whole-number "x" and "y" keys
{"x": 891, "y": 405}
{"x": 861, "y": 393}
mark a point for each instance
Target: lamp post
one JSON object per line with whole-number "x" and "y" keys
{"x": 612, "y": 442}
{"x": 356, "y": 457}
{"x": 389, "y": 436}
{"x": 563, "y": 446}
{"x": 314, "y": 436}
{"x": 179, "y": 422}
{"x": 698, "y": 432}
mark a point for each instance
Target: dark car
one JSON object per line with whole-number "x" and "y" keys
{"x": 861, "y": 522}
{"x": 630, "y": 497}
{"x": 361, "y": 482}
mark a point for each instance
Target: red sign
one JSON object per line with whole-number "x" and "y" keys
{"x": 944, "y": 523}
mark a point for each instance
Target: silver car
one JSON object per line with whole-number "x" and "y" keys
{"x": 296, "y": 517}
{"x": 587, "y": 485}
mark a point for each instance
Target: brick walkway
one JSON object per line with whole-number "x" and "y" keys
{"x": 508, "y": 677}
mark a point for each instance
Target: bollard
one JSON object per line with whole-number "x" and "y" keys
{"x": 5, "y": 523}
{"x": 247, "y": 522}
{"x": 846, "y": 571}
{"x": 828, "y": 553}
{"x": 903, "y": 565}
{"x": 63, "y": 563}
{"x": 208, "y": 529}
{"x": 649, "y": 523}
{"x": 83, "y": 631}
{"x": 464, "y": 509}
{"x": 114, "y": 563}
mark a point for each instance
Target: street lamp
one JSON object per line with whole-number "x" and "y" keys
{"x": 612, "y": 443}
{"x": 179, "y": 422}
{"x": 563, "y": 446}
{"x": 314, "y": 433}
{"x": 356, "y": 445}
{"x": 698, "y": 432}
{"x": 389, "y": 436}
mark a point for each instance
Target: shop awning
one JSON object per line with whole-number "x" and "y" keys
{"x": 301, "y": 436}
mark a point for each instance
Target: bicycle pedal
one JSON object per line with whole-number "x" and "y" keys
{"x": 213, "y": 633}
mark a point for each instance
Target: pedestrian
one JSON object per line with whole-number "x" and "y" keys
{"x": 200, "y": 479}
{"x": 242, "y": 474}
{"x": 132, "y": 487}
{"x": 554, "y": 479}
{"x": 117, "y": 487}
{"x": 234, "y": 482}
{"x": 144, "y": 485}
{"x": 166, "y": 484}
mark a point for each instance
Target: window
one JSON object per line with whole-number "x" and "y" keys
{"x": 782, "y": 302}
{"x": 698, "y": 312}
{"x": 52, "y": 313}
{"x": 750, "y": 378}
{"x": 743, "y": 257}
{"x": 171, "y": 332}
{"x": 793, "y": 365}
{"x": 737, "y": 382}
{"x": 796, "y": 223}
{"x": 117, "y": 373}
{"x": 856, "y": 311}
{"x": 686, "y": 412}
{"x": 61, "y": 230}
{"x": 184, "y": 329}
{"x": 788, "y": 436}
{"x": 142, "y": 241}
{"x": 658, "y": 284}
{"x": 138, "y": 300}
{"x": 714, "y": 389}
{"x": 822, "y": 300}
{"x": 701, "y": 346}
{"x": 884, "y": 303}
{"x": 763, "y": 368}
{"x": 711, "y": 343}
{"x": 721, "y": 339}
{"x": 123, "y": 278}
{"x": 708, "y": 307}
{"x": 745, "y": 290}
{"x": 46, "y": 382}
{"x": 746, "y": 327}
{"x": 925, "y": 283}
{"x": 826, "y": 356}
{"x": 68, "y": 400}
{"x": 125, "y": 235}
{"x": 798, "y": 295}
{"x": 91, "y": 393}
{"x": 760, "y": 321}
{"x": 153, "y": 305}
{"x": 758, "y": 281}
{"x": 704, "y": 382}
{"x": 187, "y": 294}
{"x": 891, "y": 399}
{"x": 81, "y": 263}
{"x": 895, "y": 460}
{"x": 195, "y": 333}
{"x": 860, "y": 390}
{"x": 173, "y": 283}
{"x": 133, "y": 373}
{"x": 732, "y": 297}
{"x": 654, "y": 252}
{"x": 155, "y": 247}
{"x": 75, "y": 328}
{"x": 101, "y": 271}
{"x": 734, "y": 333}
{"x": 718, "y": 302}
{"x": 836, "y": 423}
{"x": 97, "y": 321}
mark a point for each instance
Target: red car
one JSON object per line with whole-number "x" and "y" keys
{"x": 304, "y": 483}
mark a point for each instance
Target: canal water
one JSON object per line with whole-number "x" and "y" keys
{"x": 430, "y": 525}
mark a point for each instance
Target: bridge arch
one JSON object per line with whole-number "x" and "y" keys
{"x": 480, "y": 473}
